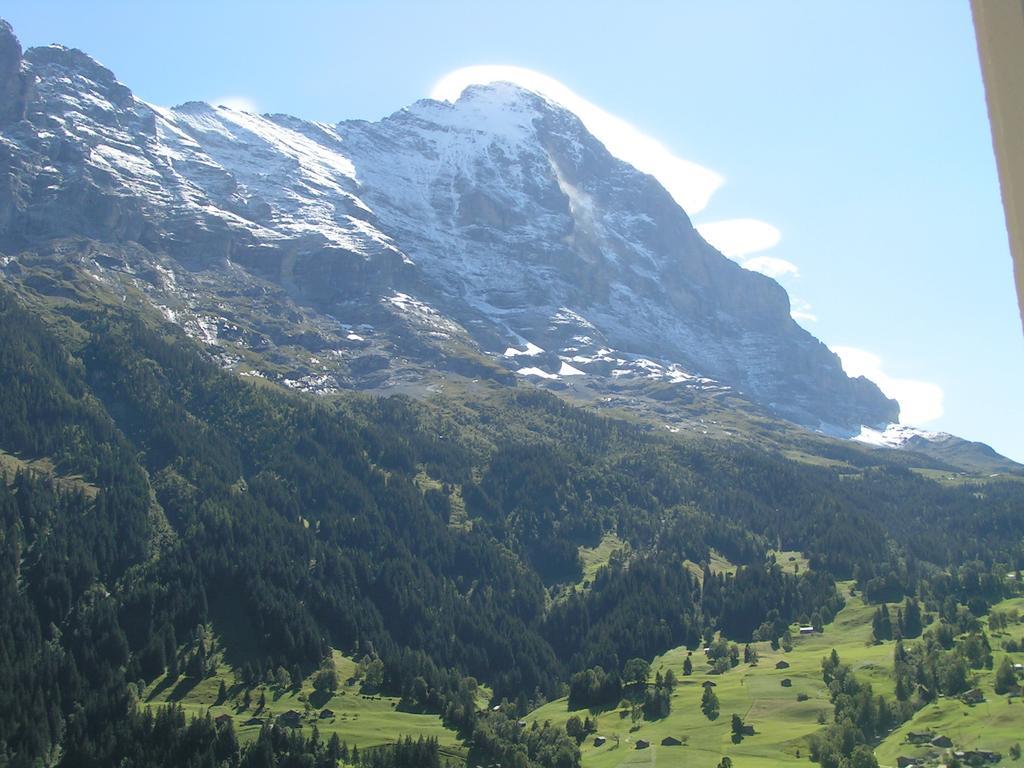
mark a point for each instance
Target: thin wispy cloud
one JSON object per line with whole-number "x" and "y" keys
{"x": 690, "y": 184}
{"x": 737, "y": 238}
{"x": 801, "y": 311}
{"x": 772, "y": 266}
{"x": 920, "y": 401}
{"x": 237, "y": 103}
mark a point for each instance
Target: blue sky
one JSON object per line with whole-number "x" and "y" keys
{"x": 857, "y": 130}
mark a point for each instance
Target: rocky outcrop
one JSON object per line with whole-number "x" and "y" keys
{"x": 14, "y": 83}
{"x": 14, "y": 91}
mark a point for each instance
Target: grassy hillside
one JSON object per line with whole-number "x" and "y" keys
{"x": 996, "y": 724}
{"x": 717, "y": 563}
{"x": 783, "y": 723}
{"x": 595, "y": 558}
{"x": 11, "y": 465}
{"x": 360, "y": 719}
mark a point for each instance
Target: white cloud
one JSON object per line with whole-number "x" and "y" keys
{"x": 237, "y": 103}
{"x": 772, "y": 266}
{"x": 690, "y": 184}
{"x": 737, "y": 238}
{"x": 802, "y": 310}
{"x": 920, "y": 401}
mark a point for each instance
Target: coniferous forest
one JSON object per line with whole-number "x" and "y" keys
{"x": 148, "y": 494}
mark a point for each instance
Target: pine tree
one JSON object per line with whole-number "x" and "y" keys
{"x": 900, "y": 653}
{"x": 787, "y": 641}
{"x": 912, "y": 625}
{"x": 737, "y": 728}
{"x": 171, "y": 654}
{"x": 902, "y": 689}
{"x": 1006, "y": 678}
{"x": 829, "y": 667}
{"x": 334, "y": 747}
{"x": 670, "y": 681}
{"x": 881, "y": 623}
{"x": 709, "y": 703}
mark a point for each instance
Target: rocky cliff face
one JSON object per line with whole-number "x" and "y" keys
{"x": 14, "y": 83}
{"x": 494, "y": 231}
{"x": 521, "y": 220}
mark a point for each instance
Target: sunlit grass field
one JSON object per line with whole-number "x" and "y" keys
{"x": 359, "y": 719}
{"x": 783, "y": 723}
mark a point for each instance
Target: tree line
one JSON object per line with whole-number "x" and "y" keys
{"x": 190, "y": 499}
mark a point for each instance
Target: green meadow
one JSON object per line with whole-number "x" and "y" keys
{"x": 996, "y": 724}
{"x": 782, "y": 721}
{"x": 361, "y": 720}
{"x": 783, "y": 717}
{"x": 596, "y": 558}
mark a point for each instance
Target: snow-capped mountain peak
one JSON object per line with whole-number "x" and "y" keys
{"x": 447, "y": 232}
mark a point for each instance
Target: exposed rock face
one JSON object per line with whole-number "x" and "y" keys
{"x": 496, "y": 225}
{"x": 14, "y": 84}
{"x": 515, "y": 214}
{"x": 14, "y": 91}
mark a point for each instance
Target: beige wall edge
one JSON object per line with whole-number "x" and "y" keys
{"x": 999, "y": 28}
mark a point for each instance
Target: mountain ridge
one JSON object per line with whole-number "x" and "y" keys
{"x": 399, "y": 277}
{"x": 189, "y": 548}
